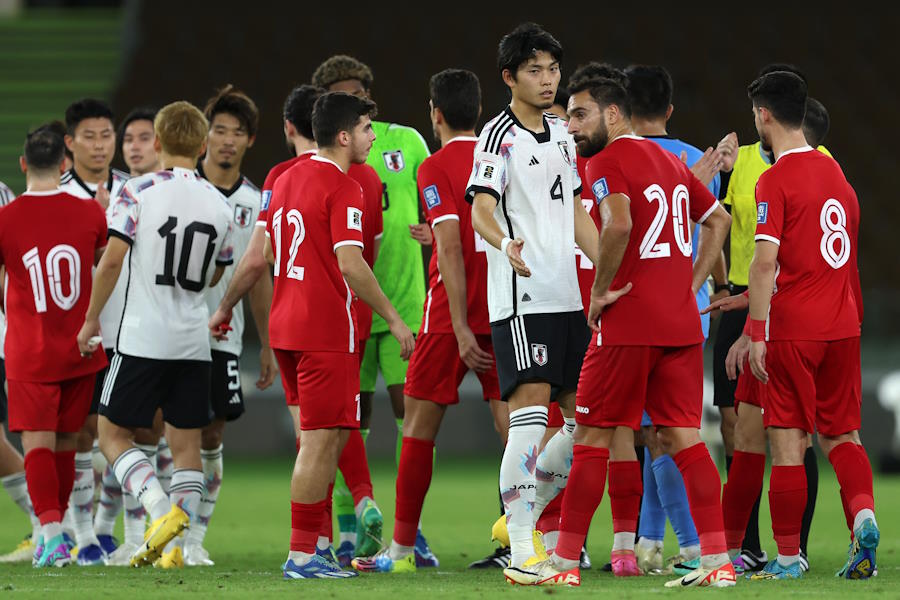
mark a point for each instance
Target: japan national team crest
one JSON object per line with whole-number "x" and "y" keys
{"x": 539, "y": 354}
{"x": 393, "y": 161}
{"x": 564, "y": 148}
{"x": 242, "y": 215}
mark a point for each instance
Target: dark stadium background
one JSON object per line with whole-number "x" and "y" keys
{"x": 152, "y": 52}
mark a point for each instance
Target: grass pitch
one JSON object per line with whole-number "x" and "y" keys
{"x": 248, "y": 539}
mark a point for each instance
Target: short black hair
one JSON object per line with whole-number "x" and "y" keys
{"x": 816, "y": 122}
{"x": 86, "y": 108}
{"x": 595, "y": 70}
{"x": 604, "y": 91}
{"x": 783, "y": 94}
{"x": 562, "y": 96}
{"x": 773, "y": 67}
{"x": 60, "y": 128}
{"x": 458, "y": 94}
{"x": 232, "y": 101}
{"x": 298, "y": 108}
{"x": 650, "y": 90}
{"x": 334, "y": 112}
{"x": 44, "y": 148}
{"x": 141, "y": 113}
{"x": 522, "y": 43}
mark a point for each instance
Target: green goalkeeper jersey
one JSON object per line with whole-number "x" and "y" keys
{"x": 396, "y": 155}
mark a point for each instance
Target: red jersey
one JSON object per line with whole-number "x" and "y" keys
{"x": 373, "y": 225}
{"x": 807, "y": 207}
{"x": 584, "y": 265}
{"x": 660, "y": 310}
{"x": 47, "y": 244}
{"x": 442, "y": 181}
{"x": 317, "y": 208}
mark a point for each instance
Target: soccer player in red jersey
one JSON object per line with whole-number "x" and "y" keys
{"x": 316, "y": 233}
{"x": 455, "y": 331}
{"x": 49, "y": 241}
{"x": 805, "y": 334}
{"x": 640, "y": 357}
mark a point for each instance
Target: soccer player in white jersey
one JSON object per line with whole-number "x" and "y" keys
{"x": 174, "y": 223}
{"x": 233, "y": 120}
{"x": 525, "y": 192}
{"x": 91, "y": 137}
{"x": 135, "y": 138}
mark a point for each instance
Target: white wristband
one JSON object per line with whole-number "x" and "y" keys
{"x": 504, "y": 243}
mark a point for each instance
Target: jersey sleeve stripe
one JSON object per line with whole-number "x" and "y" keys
{"x": 767, "y": 238}
{"x": 348, "y": 243}
{"x": 448, "y": 217}
{"x": 708, "y": 212}
{"x": 480, "y": 189}
{"x": 110, "y": 233}
{"x": 496, "y": 139}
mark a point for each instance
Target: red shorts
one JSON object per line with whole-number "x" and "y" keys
{"x": 619, "y": 382}
{"x": 814, "y": 386}
{"x": 749, "y": 390}
{"x": 436, "y": 370}
{"x": 325, "y": 385}
{"x": 60, "y": 406}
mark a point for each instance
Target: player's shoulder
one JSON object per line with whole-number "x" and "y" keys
{"x": 407, "y": 134}
{"x": 498, "y": 131}
{"x": 119, "y": 176}
{"x": 248, "y": 186}
{"x": 364, "y": 173}
{"x": 67, "y": 177}
{"x": 559, "y": 127}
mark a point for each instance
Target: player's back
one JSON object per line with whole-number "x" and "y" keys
{"x": 664, "y": 198}
{"x": 48, "y": 241}
{"x": 442, "y": 181}
{"x": 309, "y": 214}
{"x": 807, "y": 207}
{"x": 176, "y": 223}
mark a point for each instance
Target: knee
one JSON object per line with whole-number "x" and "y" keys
{"x": 212, "y": 435}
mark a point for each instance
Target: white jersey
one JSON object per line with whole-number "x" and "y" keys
{"x": 176, "y": 223}
{"x": 243, "y": 203}
{"x": 534, "y": 179}
{"x": 112, "y": 313}
{"x": 6, "y": 196}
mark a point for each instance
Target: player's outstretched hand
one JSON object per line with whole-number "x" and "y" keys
{"x": 707, "y": 166}
{"x": 514, "y": 254}
{"x": 421, "y": 232}
{"x": 219, "y": 324}
{"x": 88, "y": 337}
{"x": 738, "y": 302}
{"x": 728, "y": 150}
{"x": 758, "y": 361}
{"x": 268, "y": 368}
{"x": 471, "y": 353}
{"x": 403, "y": 335}
{"x": 598, "y": 303}
{"x": 737, "y": 354}
{"x": 102, "y": 195}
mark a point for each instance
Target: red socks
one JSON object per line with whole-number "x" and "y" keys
{"x": 701, "y": 481}
{"x": 65, "y": 474}
{"x": 854, "y": 475}
{"x": 549, "y": 520}
{"x": 787, "y": 501}
{"x": 584, "y": 491}
{"x": 327, "y": 529}
{"x": 413, "y": 480}
{"x": 354, "y": 466}
{"x": 306, "y": 523}
{"x": 43, "y": 484}
{"x": 625, "y": 488}
{"x": 739, "y": 494}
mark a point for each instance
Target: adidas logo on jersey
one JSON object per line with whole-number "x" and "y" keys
{"x": 236, "y": 399}
{"x": 533, "y": 161}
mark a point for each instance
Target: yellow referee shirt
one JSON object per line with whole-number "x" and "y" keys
{"x": 751, "y": 162}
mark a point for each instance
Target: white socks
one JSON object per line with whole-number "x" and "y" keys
{"x": 165, "y": 465}
{"x": 861, "y": 516}
{"x": 186, "y": 490}
{"x": 137, "y": 477}
{"x": 212, "y": 479}
{"x": 17, "y": 489}
{"x": 624, "y": 540}
{"x": 81, "y": 502}
{"x": 110, "y": 503}
{"x": 517, "y": 478}
{"x": 553, "y": 464}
